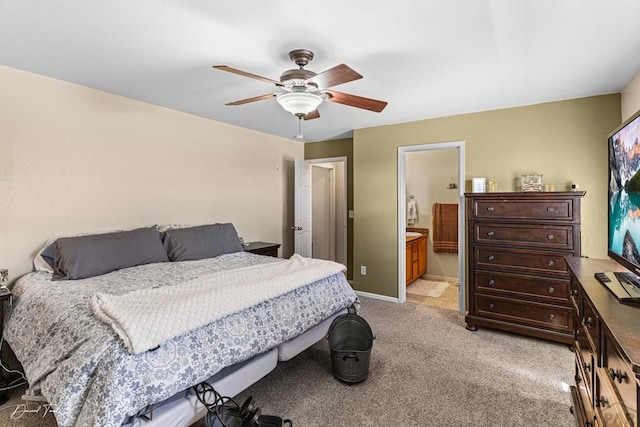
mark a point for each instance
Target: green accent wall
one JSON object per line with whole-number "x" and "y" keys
{"x": 338, "y": 148}
{"x": 566, "y": 141}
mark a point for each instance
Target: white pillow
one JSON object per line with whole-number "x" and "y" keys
{"x": 39, "y": 263}
{"x": 164, "y": 227}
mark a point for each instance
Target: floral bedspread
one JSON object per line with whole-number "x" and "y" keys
{"x": 90, "y": 379}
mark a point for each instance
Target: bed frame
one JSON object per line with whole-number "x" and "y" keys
{"x": 184, "y": 409}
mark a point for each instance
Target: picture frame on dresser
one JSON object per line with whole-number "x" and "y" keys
{"x": 518, "y": 278}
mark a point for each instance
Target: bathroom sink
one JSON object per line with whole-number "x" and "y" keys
{"x": 413, "y": 234}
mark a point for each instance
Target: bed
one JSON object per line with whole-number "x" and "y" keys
{"x": 91, "y": 377}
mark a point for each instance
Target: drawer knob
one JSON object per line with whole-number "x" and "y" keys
{"x": 574, "y": 292}
{"x": 492, "y": 306}
{"x": 490, "y": 208}
{"x": 491, "y": 257}
{"x": 588, "y": 322}
{"x": 602, "y": 402}
{"x": 491, "y": 233}
{"x": 551, "y": 289}
{"x": 617, "y": 374}
{"x": 551, "y": 209}
{"x": 552, "y": 316}
{"x": 550, "y": 263}
{"x": 550, "y": 236}
{"x": 491, "y": 282}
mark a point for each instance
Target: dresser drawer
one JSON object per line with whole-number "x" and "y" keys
{"x": 622, "y": 377}
{"x": 546, "y": 263}
{"x": 585, "y": 359}
{"x": 538, "y": 209}
{"x": 590, "y": 324}
{"x": 580, "y": 408}
{"x": 542, "y": 236}
{"x": 525, "y": 312}
{"x": 584, "y": 379}
{"x": 519, "y": 286}
{"x": 575, "y": 292}
{"x": 609, "y": 410}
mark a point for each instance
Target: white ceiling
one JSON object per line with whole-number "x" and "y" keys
{"x": 427, "y": 58}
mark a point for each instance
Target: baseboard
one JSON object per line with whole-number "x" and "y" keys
{"x": 377, "y": 296}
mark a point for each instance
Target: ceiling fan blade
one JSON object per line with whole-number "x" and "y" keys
{"x": 254, "y": 99}
{"x": 246, "y": 74}
{"x": 334, "y": 76}
{"x": 356, "y": 101}
{"x": 315, "y": 114}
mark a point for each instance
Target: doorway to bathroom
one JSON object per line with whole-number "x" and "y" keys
{"x": 430, "y": 219}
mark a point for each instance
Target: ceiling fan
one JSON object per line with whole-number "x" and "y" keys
{"x": 302, "y": 90}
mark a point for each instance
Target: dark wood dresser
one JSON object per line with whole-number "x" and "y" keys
{"x": 607, "y": 343}
{"x": 518, "y": 278}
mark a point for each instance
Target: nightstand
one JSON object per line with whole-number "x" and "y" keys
{"x": 3, "y": 383}
{"x": 262, "y": 248}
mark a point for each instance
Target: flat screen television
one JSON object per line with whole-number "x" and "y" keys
{"x": 624, "y": 194}
{"x": 624, "y": 211}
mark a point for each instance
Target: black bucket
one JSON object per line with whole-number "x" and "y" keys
{"x": 350, "y": 341}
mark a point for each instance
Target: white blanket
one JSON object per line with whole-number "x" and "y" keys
{"x": 146, "y": 318}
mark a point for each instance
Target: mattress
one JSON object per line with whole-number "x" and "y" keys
{"x": 85, "y": 372}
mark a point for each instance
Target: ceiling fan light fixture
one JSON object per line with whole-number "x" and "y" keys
{"x": 299, "y": 103}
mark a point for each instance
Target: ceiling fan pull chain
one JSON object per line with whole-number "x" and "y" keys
{"x": 299, "y": 135}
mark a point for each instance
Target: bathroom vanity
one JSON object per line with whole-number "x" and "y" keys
{"x": 416, "y": 255}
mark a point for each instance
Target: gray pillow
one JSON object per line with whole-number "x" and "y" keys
{"x": 48, "y": 254}
{"x": 87, "y": 256}
{"x": 205, "y": 241}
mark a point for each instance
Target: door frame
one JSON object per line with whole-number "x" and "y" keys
{"x": 341, "y": 159}
{"x": 302, "y": 208}
{"x": 402, "y": 197}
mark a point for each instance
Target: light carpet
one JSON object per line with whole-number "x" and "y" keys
{"x": 426, "y": 370}
{"x": 427, "y": 288}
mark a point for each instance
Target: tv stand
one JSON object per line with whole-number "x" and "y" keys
{"x": 607, "y": 347}
{"x": 624, "y": 285}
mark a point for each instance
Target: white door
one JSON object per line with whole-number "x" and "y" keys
{"x": 302, "y": 217}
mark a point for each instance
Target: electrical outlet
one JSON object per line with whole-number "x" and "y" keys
{"x": 363, "y": 270}
{"x": 4, "y": 275}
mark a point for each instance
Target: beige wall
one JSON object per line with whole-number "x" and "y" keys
{"x": 74, "y": 160}
{"x": 428, "y": 174}
{"x": 631, "y": 97}
{"x": 565, "y": 141}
